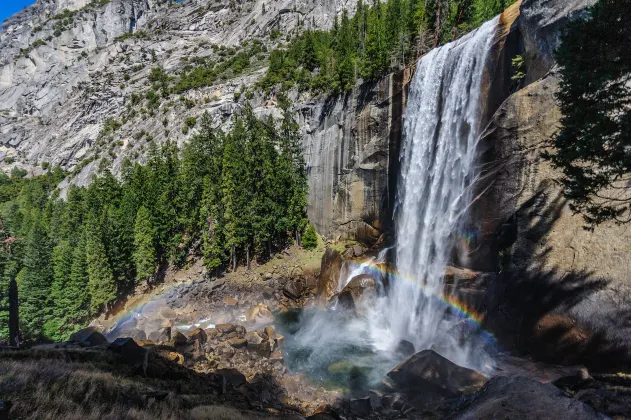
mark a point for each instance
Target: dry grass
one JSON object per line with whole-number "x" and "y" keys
{"x": 78, "y": 385}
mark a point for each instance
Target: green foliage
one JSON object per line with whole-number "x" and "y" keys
{"x": 145, "y": 252}
{"x": 592, "y": 147}
{"x": 190, "y": 122}
{"x": 519, "y": 66}
{"x": 379, "y": 39}
{"x": 238, "y": 194}
{"x": 310, "y": 238}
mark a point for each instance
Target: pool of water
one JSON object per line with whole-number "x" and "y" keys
{"x": 333, "y": 349}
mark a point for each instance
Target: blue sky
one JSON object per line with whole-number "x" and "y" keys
{"x": 10, "y": 7}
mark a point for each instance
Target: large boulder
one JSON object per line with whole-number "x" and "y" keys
{"x": 430, "y": 372}
{"x": 330, "y": 266}
{"x": 294, "y": 288}
{"x": 88, "y": 337}
{"x": 359, "y": 293}
{"x": 131, "y": 352}
{"x": 520, "y": 398}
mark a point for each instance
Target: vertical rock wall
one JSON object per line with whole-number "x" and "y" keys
{"x": 351, "y": 148}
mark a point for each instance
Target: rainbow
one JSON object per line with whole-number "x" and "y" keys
{"x": 450, "y": 302}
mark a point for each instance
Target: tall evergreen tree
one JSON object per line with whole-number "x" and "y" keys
{"x": 101, "y": 283}
{"x": 144, "y": 244}
{"x": 35, "y": 280}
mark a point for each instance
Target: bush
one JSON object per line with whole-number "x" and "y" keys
{"x": 310, "y": 238}
{"x": 191, "y": 121}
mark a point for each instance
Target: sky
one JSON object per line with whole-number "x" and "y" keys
{"x": 10, "y": 7}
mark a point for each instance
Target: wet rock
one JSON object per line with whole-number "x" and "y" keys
{"x": 167, "y": 312}
{"x": 358, "y": 250}
{"x": 212, "y": 333}
{"x": 348, "y": 253}
{"x": 431, "y": 372}
{"x": 294, "y": 289}
{"x": 88, "y": 337}
{"x": 178, "y": 339}
{"x": 520, "y": 398}
{"x": 136, "y": 334}
{"x": 358, "y": 293}
{"x": 361, "y": 406}
{"x": 231, "y": 377}
{"x": 225, "y": 328}
{"x": 329, "y": 274}
{"x": 405, "y": 348}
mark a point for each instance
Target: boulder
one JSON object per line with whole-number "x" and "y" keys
{"x": 167, "y": 312}
{"x": 431, "y": 372}
{"x": 405, "y": 348}
{"x": 231, "y": 377}
{"x": 172, "y": 356}
{"x": 178, "y": 339}
{"x": 131, "y": 352}
{"x": 237, "y": 342}
{"x": 358, "y": 293}
{"x": 520, "y": 398}
{"x": 259, "y": 344}
{"x": 230, "y": 301}
{"x": 361, "y": 406}
{"x": 329, "y": 274}
{"x": 88, "y": 337}
{"x": 294, "y": 288}
{"x": 225, "y": 328}
{"x": 136, "y": 334}
{"x": 163, "y": 335}
{"x": 259, "y": 314}
{"x": 198, "y": 335}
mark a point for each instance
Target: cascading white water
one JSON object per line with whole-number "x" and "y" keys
{"x": 441, "y": 132}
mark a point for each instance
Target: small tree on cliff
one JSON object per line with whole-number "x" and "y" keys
{"x": 593, "y": 147}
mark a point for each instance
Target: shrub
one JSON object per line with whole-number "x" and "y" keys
{"x": 191, "y": 122}
{"x": 310, "y": 238}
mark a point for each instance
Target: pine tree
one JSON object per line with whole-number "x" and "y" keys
{"x": 35, "y": 279}
{"x": 144, "y": 246}
{"x": 101, "y": 283}
{"x": 77, "y": 284}
{"x": 310, "y": 238}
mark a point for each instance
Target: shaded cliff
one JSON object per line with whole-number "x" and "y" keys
{"x": 561, "y": 292}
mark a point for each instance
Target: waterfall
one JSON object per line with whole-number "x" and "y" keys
{"x": 438, "y": 156}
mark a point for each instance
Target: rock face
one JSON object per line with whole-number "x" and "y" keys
{"x": 563, "y": 292}
{"x": 551, "y": 264}
{"x": 519, "y": 398}
{"x": 540, "y": 24}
